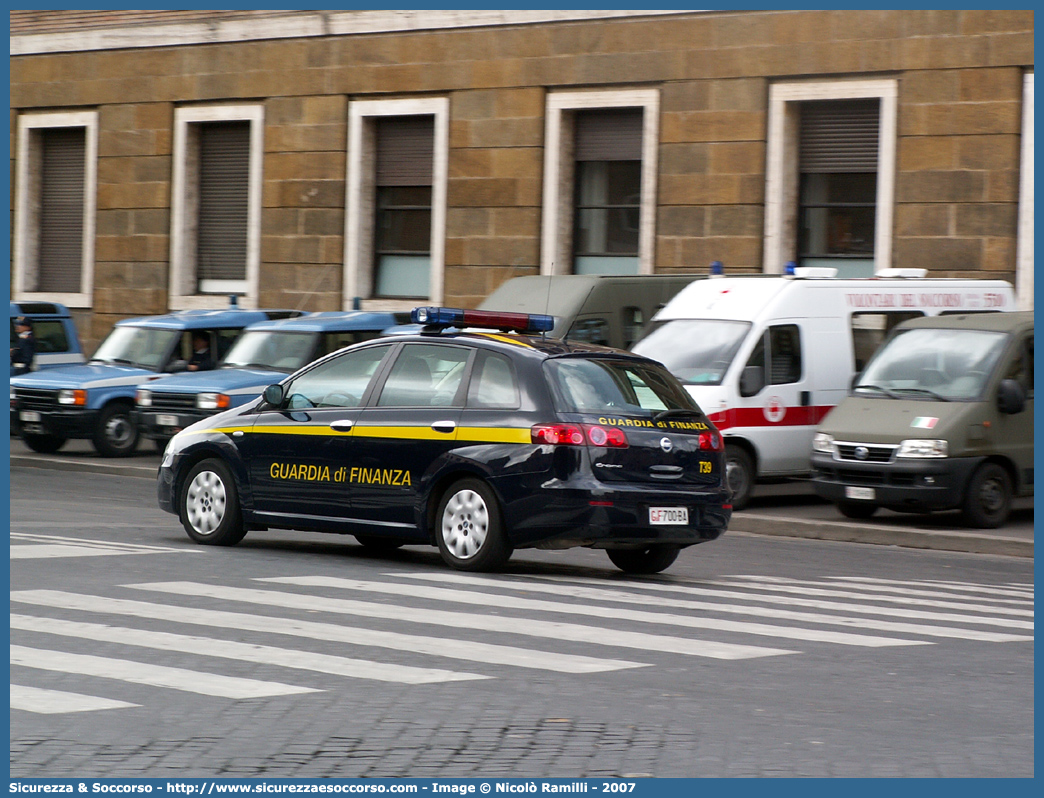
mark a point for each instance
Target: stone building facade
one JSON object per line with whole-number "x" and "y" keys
{"x": 335, "y": 159}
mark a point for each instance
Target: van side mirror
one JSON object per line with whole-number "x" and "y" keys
{"x": 1011, "y": 397}
{"x": 752, "y": 380}
{"x": 274, "y": 395}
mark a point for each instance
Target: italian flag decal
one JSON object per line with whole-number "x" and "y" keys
{"x": 924, "y": 422}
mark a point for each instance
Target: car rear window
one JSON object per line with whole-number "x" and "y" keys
{"x": 585, "y": 385}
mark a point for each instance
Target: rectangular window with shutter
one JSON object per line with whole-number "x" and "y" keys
{"x": 608, "y": 180}
{"x": 403, "y": 207}
{"x": 54, "y": 199}
{"x": 838, "y": 165}
{"x": 62, "y": 168}
{"x": 224, "y": 172}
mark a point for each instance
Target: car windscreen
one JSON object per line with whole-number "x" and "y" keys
{"x": 147, "y": 347}
{"x": 933, "y": 363}
{"x": 603, "y": 385}
{"x": 278, "y": 350}
{"x": 696, "y": 351}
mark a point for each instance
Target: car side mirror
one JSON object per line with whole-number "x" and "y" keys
{"x": 274, "y": 395}
{"x": 752, "y": 380}
{"x": 1011, "y": 397}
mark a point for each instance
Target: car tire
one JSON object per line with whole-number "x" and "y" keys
{"x": 209, "y": 505}
{"x": 378, "y": 544}
{"x": 468, "y": 528}
{"x": 650, "y": 560}
{"x": 43, "y": 444}
{"x": 739, "y": 471}
{"x": 856, "y": 510}
{"x": 987, "y": 499}
{"x": 116, "y": 434}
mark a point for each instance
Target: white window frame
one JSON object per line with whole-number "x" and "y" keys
{"x": 556, "y": 251}
{"x": 1024, "y": 258}
{"x": 184, "y": 201}
{"x": 781, "y": 173}
{"x": 360, "y": 199}
{"x": 27, "y": 207}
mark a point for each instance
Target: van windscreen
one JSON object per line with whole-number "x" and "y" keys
{"x": 696, "y": 351}
{"x": 933, "y": 363}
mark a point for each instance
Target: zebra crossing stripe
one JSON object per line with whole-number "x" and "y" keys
{"x": 211, "y": 684}
{"x": 435, "y": 646}
{"x": 472, "y": 621}
{"x": 603, "y": 594}
{"x": 771, "y": 584}
{"x": 50, "y": 546}
{"x": 54, "y": 702}
{"x": 244, "y": 652}
{"x": 1003, "y": 593}
{"x": 615, "y": 613}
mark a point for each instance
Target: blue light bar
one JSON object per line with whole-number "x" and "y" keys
{"x": 458, "y": 317}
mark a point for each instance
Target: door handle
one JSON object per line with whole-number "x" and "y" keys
{"x": 343, "y": 425}
{"x": 444, "y": 426}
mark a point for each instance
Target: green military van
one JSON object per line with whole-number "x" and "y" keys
{"x": 941, "y": 418}
{"x": 610, "y": 310}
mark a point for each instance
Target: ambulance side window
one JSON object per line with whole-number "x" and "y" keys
{"x": 784, "y": 354}
{"x": 870, "y": 329}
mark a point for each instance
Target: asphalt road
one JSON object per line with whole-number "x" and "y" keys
{"x": 136, "y": 653}
{"x": 789, "y": 509}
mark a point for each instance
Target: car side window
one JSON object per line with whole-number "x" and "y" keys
{"x": 340, "y": 382}
{"x": 589, "y": 331}
{"x": 1021, "y": 369}
{"x": 425, "y": 376}
{"x": 494, "y": 383}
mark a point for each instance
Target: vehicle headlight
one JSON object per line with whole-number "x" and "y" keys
{"x": 823, "y": 443}
{"x": 213, "y": 401}
{"x": 72, "y": 396}
{"x": 922, "y": 448}
{"x": 143, "y": 398}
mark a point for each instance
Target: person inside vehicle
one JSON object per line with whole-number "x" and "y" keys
{"x": 201, "y": 359}
{"x": 24, "y": 348}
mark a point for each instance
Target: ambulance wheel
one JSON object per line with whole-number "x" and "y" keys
{"x": 378, "y": 543}
{"x": 210, "y": 505}
{"x": 856, "y": 510}
{"x": 468, "y": 528}
{"x": 650, "y": 560}
{"x": 739, "y": 470}
{"x": 116, "y": 434}
{"x": 987, "y": 500}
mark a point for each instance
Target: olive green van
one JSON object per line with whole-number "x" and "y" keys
{"x": 610, "y": 310}
{"x": 941, "y": 418}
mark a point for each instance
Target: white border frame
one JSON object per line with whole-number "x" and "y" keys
{"x": 359, "y": 199}
{"x": 27, "y": 213}
{"x": 781, "y": 173}
{"x": 1024, "y": 258}
{"x": 182, "y": 286}
{"x": 556, "y": 228}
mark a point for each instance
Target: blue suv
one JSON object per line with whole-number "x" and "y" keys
{"x": 57, "y": 342}
{"x": 95, "y": 400}
{"x": 265, "y": 353}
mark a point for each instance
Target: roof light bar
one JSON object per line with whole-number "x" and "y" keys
{"x": 458, "y": 317}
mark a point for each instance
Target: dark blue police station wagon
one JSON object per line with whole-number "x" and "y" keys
{"x": 476, "y": 442}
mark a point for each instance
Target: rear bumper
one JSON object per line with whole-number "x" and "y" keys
{"x": 559, "y": 515}
{"x": 914, "y": 485}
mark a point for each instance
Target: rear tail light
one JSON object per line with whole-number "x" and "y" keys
{"x": 578, "y": 435}
{"x": 711, "y": 442}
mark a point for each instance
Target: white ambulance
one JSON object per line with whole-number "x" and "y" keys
{"x": 768, "y": 357}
